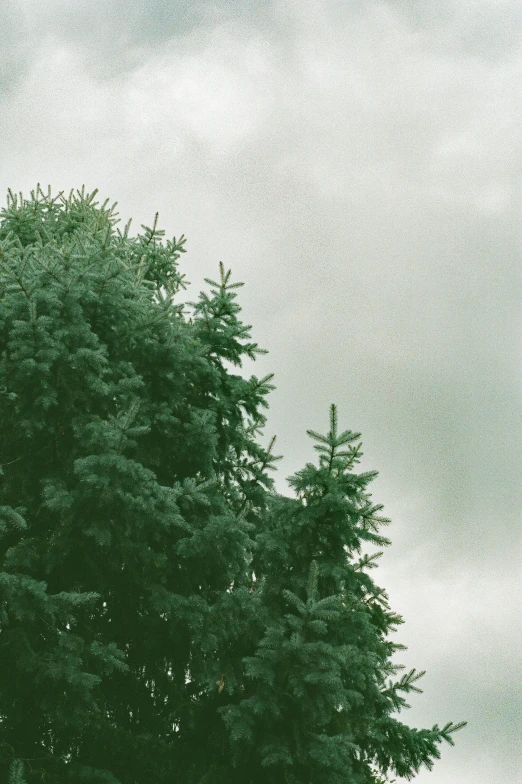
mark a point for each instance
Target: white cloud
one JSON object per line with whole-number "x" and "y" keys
{"x": 208, "y": 94}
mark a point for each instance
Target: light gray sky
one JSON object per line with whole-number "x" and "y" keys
{"x": 358, "y": 166}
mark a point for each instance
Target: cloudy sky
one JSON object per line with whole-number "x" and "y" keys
{"x": 358, "y": 165}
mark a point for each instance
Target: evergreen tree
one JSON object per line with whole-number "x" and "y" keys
{"x": 129, "y": 466}
{"x": 164, "y": 614}
{"x": 317, "y": 703}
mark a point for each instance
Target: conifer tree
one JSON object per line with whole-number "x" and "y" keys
{"x": 164, "y": 614}
{"x": 318, "y": 700}
{"x": 129, "y": 467}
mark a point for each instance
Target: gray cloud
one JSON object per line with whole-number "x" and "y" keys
{"x": 482, "y": 29}
{"x": 114, "y": 37}
{"x": 15, "y": 50}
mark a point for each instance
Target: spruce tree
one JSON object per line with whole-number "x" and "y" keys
{"x": 318, "y": 701}
{"x": 164, "y": 614}
{"x": 129, "y": 466}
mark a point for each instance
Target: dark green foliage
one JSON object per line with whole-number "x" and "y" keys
{"x": 16, "y": 772}
{"x": 164, "y": 614}
{"x": 317, "y": 706}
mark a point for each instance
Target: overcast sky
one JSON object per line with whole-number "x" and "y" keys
{"x": 358, "y": 165}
